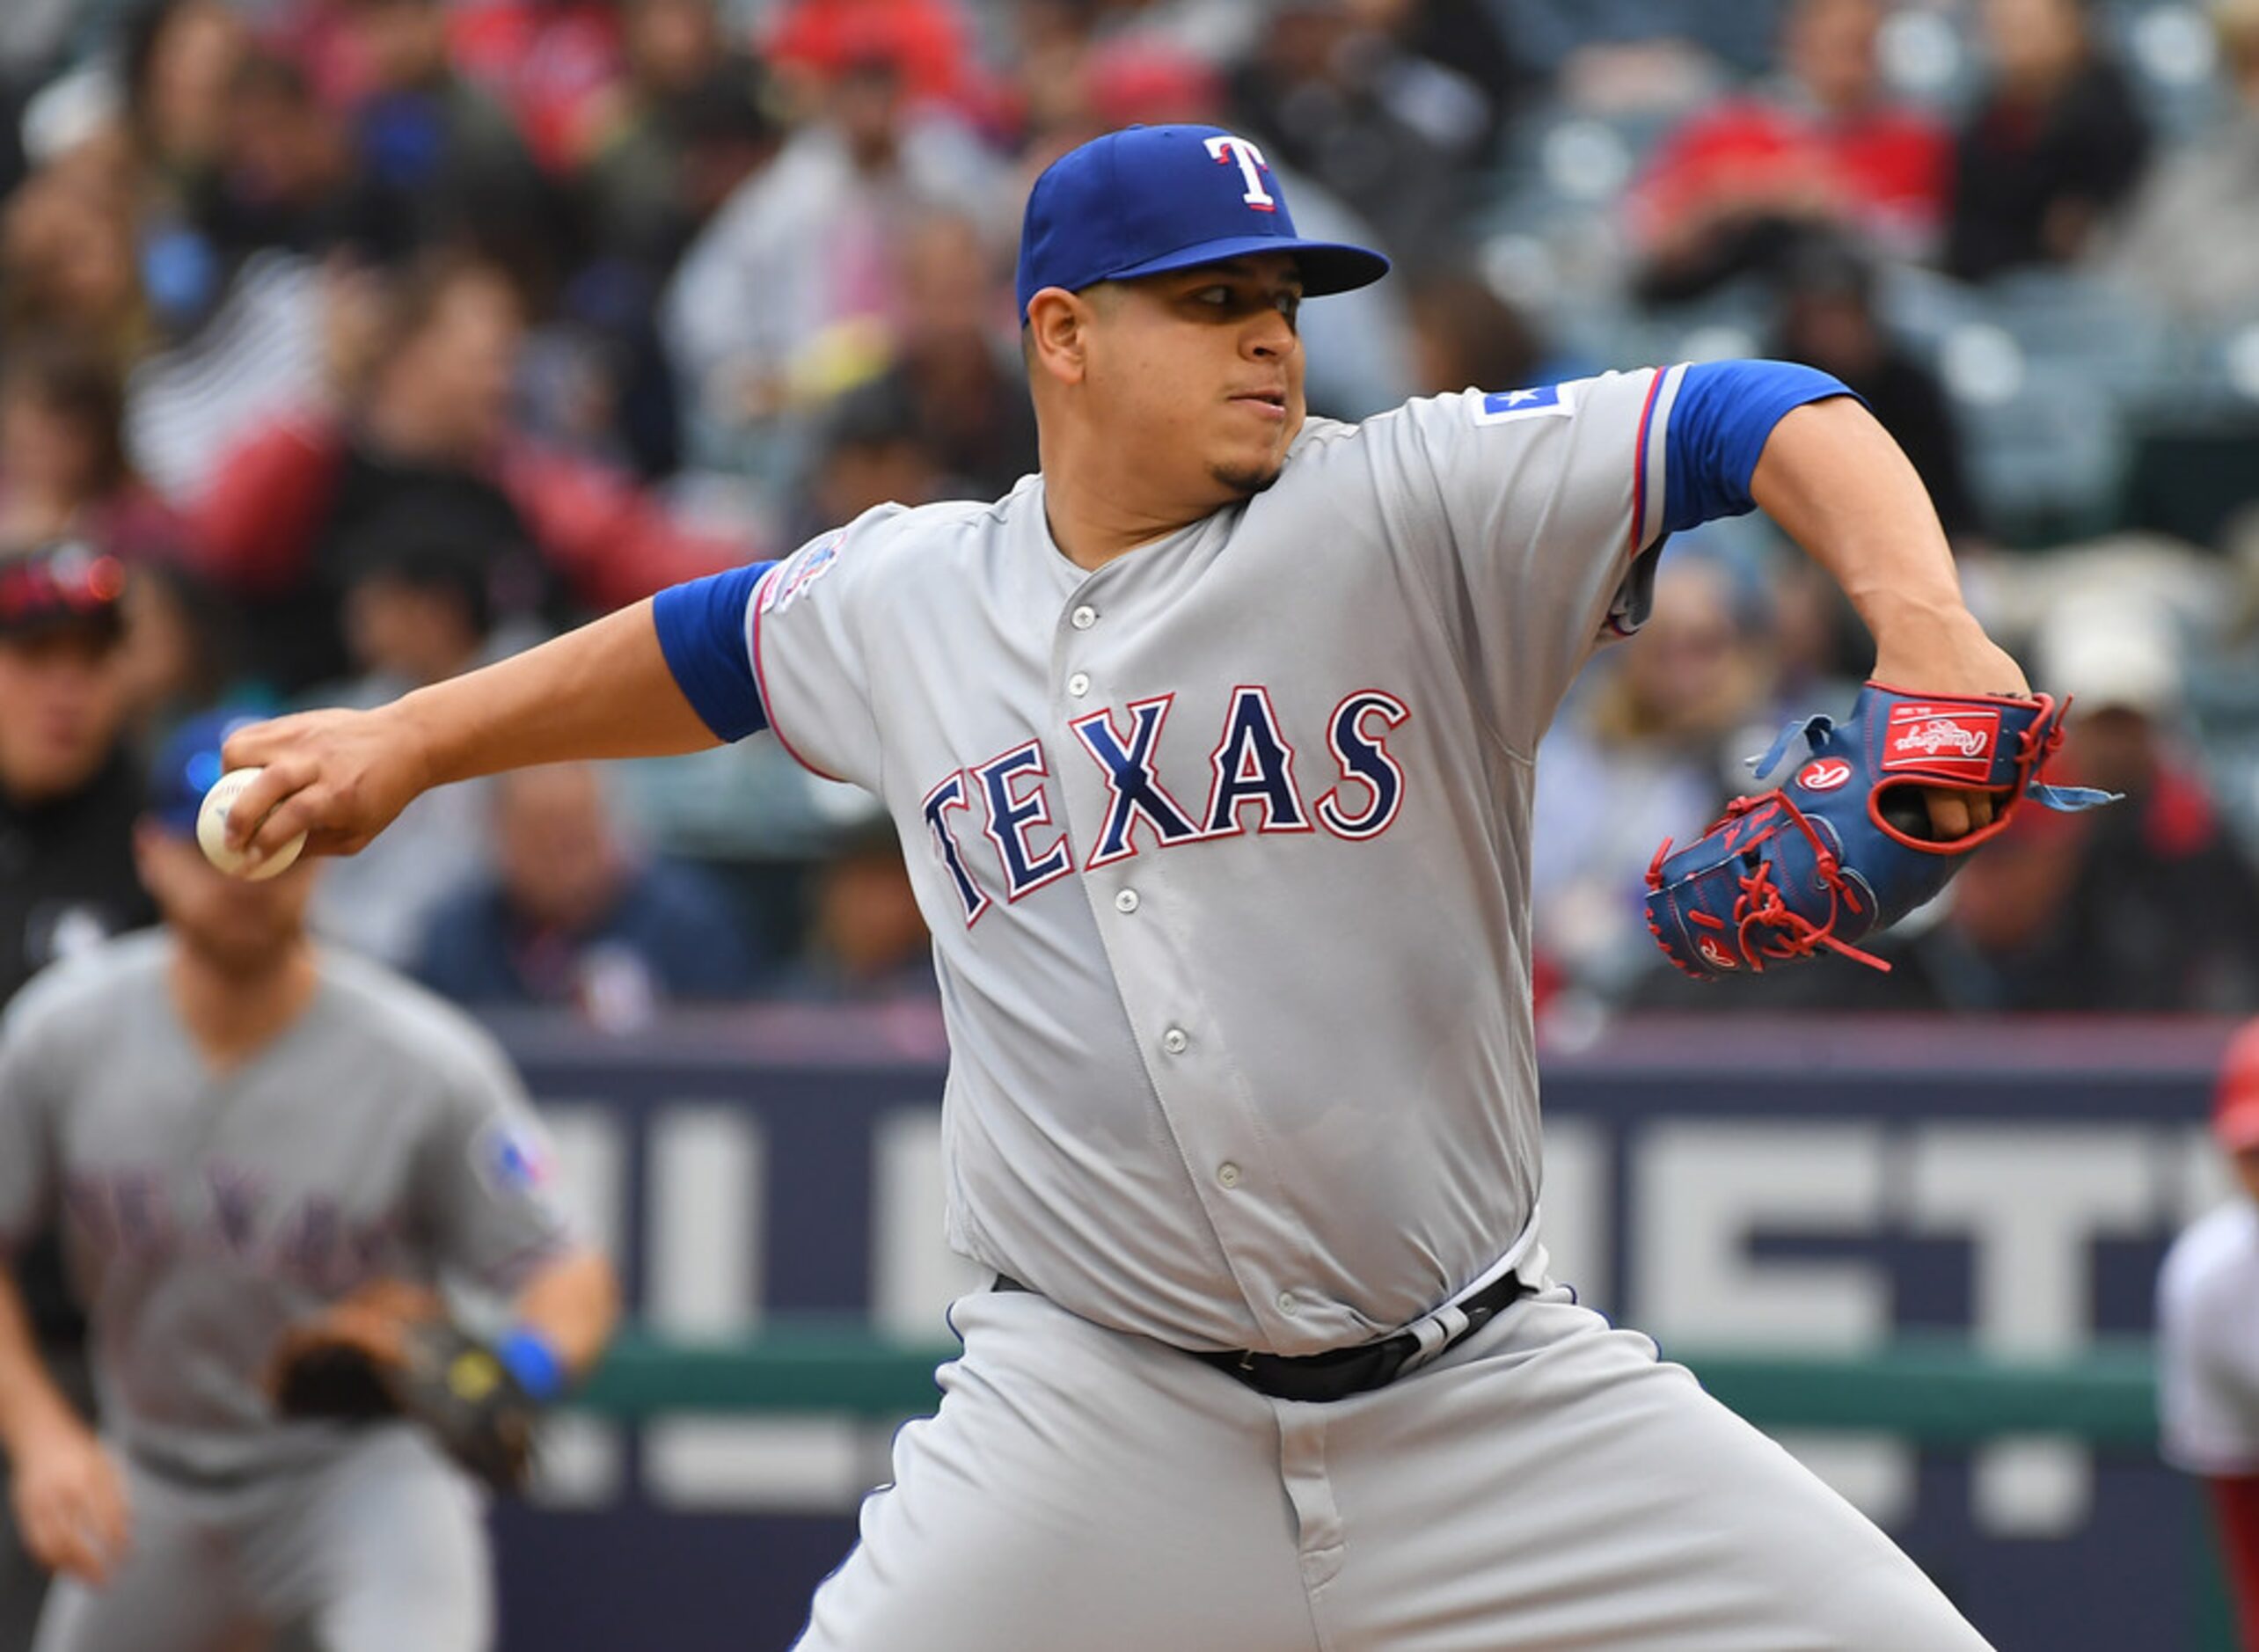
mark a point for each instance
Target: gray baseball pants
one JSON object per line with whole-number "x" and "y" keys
{"x": 1546, "y": 1486}
{"x": 380, "y": 1548}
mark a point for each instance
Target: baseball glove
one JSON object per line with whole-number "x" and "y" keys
{"x": 389, "y": 1351}
{"x": 1840, "y": 851}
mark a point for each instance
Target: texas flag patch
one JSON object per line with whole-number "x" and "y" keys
{"x": 1504, "y": 407}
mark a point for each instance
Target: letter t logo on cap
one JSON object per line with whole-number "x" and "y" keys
{"x": 1226, "y": 149}
{"x": 1147, "y": 200}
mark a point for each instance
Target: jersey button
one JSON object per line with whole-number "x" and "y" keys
{"x": 1228, "y": 1174}
{"x": 1174, "y": 1041}
{"x": 1287, "y": 1304}
{"x": 1126, "y": 902}
{"x": 1078, "y": 684}
{"x": 1084, "y": 618}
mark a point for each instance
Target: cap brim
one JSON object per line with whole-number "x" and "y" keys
{"x": 1326, "y": 266}
{"x": 106, "y": 624}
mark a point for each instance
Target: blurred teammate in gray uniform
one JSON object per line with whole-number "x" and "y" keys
{"x": 1211, "y": 750}
{"x": 235, "y": 1131}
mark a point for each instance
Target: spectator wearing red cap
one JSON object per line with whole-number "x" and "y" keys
{"x": 926, "y": 41}
{"x": 552, "y": 63}
{"x": 2208, "y": 1338}
{"x": 69, "y": 793}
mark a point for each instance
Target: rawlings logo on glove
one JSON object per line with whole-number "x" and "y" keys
{"x": 1921, "y": 734}
{"x": 1838, "y": 853}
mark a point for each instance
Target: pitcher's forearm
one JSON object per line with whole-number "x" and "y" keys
{"x": 1840, "y": 487}
{"x": 1837, "y": 483}
{"x": 604, "y": 691}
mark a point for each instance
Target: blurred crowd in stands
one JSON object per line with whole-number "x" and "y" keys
{"x": 347, "y": 344}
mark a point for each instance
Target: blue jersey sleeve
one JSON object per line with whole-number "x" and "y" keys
{"x": 1719, "y": 424}
{"x": 702, "y": 633}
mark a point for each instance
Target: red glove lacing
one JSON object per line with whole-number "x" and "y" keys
{"x": 1764, "y": 924}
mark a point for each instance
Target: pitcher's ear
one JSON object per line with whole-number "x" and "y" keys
{"x": 1055, "y": 339}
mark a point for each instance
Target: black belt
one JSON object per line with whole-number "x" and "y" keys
{"x": 1339, "y": 1372}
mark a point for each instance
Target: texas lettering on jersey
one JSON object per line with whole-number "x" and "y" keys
{"x": 1252, "y": 771}
{"x": 143, "y": 1217}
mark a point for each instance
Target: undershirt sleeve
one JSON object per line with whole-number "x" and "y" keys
{"x": 702, "y": 631}
{"x": 1724, "y": 413}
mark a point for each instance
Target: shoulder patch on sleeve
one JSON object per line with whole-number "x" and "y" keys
{"x": 793, "y": 576}
{"x": 1539, "y": 401}
{"x": 512, "y": 1159}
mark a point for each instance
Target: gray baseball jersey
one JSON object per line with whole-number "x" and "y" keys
{"x": 380, "y": 1134}
{"x": 1225, "y": 850}
{"x": 1225, "y": 847}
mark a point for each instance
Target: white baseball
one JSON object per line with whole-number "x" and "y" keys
{"x": 212, "y": 830}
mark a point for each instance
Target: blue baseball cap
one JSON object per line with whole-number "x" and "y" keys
{"x": 1153, "y": 197}
{"x": 187, "y": 765}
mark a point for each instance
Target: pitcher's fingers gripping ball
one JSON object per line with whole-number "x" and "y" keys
{"x": 338, "y": 776}
{"x": 212, "y": 832}
{"x": 1839, "y": 852}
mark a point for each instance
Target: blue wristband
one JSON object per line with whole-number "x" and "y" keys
{"x": 528, "y": 1357}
